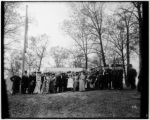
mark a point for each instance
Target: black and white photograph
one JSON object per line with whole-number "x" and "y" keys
{"x": 74, "y": 59}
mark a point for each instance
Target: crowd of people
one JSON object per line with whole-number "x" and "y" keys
{"x": 44, "y": 83}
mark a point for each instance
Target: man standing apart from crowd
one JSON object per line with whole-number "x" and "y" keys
{"x": 131, "y": 76}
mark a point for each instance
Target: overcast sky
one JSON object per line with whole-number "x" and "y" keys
{"x": 47, "y": 19}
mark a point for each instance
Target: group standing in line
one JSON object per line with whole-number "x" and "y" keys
{"x": 38, "y": 83}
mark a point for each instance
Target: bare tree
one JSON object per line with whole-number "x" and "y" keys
{"x": 12, "y": 23}
{"x": 59, "y": 55}
{"x": 117, "y": 39}
{"x": 94, "y": 13}
{"x": 15, "y": 62}
{"x": 38, "y": 47}
{"x": 77, "y": 29}
{"x": 139, "y": 15}
{"x": 94, "y": 61}
{"x": 129, "y": 21}
{"x": 136, "y": 10}
{"x": 77, "y": 57}
{"x": 31, "y": 61}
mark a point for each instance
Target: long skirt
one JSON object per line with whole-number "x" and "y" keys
{"x": 52, "y": 87}
{"x": 75, "y": 85}
{"x": 38, "y": 86}
{"x": 81, "y": 85}
{"x": 45, "y": 87}
{"x": 70, "y": 83}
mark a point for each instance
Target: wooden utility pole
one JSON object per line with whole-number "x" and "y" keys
{"x": 25, "y": 42}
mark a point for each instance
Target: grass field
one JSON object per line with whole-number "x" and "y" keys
{"x": 89, "y": 104}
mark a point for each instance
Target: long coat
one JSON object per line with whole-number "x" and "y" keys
{"x": 16, "y": 83}
{"x": 32, "y": 82}
{"x": 52, "y": 85}
{"x": 24, "y": 83}
{"x": 131, "y": 77}
{"x": 82, "y": 83}
{"x": 76, "y": 83}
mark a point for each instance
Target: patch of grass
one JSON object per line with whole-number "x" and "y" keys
{"x": 89, "y": 104}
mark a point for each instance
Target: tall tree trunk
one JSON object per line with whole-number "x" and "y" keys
{"x": 86, "y": 55}
{"x": 39, "y": 67}
{"x": 86, "y": 61}
{"x": 140, "y": 45}
{"x": 124, "y": 69}
{"x": 128, "y": 54}
{"x": 143, "y": 48}
{"x": 122, "y": 56}
{"x": 102, "y": 51}
{"x": 100, "y": 64}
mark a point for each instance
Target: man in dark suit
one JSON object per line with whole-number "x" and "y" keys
{"x": 65, "y": 81}
{"x": 120, "y": 79}
{"x": 106, "y": 78}
{"x": 109, "y": 81}
{"x": 114, "y": 78}
{"x": 131, "y": 76}
{"x": 24, "y": 83}
{"x": 16, "y": 83}
{"x": 61, "y": 83}
{"x": 58, "y": 83}
{"x": 32, "y": 82}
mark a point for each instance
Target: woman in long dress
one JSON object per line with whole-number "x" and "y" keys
{"x": 82, "y": 82}
{"x": 88, "y": 82}
{"x": 70, "y": 82}
{"x": 38, "y": 83}
{"x": 52, "y": 83}
{"x": 76, "y": 83}
{"x": 45, "y": 86}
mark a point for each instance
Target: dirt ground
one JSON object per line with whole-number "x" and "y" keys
{"x": 89, "y": 104}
